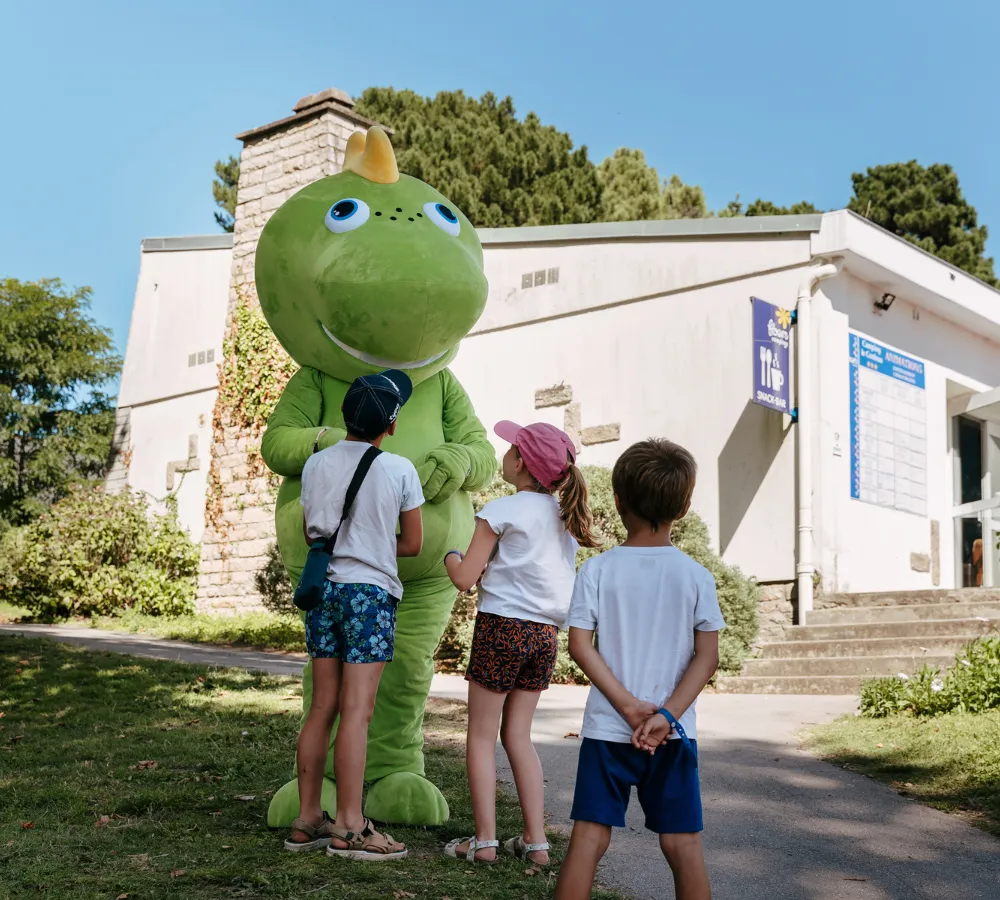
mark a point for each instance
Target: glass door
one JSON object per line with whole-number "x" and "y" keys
{"x": 977, "y": 510}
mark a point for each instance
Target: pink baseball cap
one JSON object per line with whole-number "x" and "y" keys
{"x": 544, "y": 449}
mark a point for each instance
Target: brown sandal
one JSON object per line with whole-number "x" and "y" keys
{"x": 367, "y": 845}
{"x": 318, "y": 836}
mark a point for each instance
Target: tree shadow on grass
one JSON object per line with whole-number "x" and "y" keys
{"x": 148, "y": 778}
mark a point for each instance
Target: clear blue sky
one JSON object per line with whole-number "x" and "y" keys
{"x": 112, "y": 114}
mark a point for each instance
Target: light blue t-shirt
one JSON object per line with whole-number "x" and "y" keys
{"x": 645, "y": 603}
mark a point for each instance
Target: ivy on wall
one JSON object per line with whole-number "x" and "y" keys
{"x": 255, "y": 368}
{"x": 254, "y": 371}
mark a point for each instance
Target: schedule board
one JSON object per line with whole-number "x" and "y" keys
{"x": 888, "y": 427}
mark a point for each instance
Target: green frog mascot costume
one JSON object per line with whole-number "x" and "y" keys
{"x": 359, "y": 272}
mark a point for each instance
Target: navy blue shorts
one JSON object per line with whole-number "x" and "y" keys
{"x": 667, "y": 783}
{"x": 355, "y": 623}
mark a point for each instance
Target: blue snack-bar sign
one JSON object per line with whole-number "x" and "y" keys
{"x": 771, "y": 326}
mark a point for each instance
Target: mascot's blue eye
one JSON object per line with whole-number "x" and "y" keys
{"x": 443, "y": 217}
{"x": 346, "y": 215}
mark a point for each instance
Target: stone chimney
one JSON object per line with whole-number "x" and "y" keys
{"x": 277, "y": 160}
{"x": 280, "y": 158}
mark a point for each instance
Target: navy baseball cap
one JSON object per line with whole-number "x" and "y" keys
{"x": 372, "y": 402}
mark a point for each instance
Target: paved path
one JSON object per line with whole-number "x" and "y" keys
{"x": 780, "y": 825}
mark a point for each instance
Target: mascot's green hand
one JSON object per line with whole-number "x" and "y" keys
{"x": 443, "y": 472}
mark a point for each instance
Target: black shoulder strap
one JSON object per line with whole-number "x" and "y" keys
{"x": 352, "y": 492}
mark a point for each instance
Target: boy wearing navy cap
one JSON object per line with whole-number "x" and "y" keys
{"x": 350, "y": 634}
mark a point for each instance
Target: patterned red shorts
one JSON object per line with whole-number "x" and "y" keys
{"x": 512, "y": 654}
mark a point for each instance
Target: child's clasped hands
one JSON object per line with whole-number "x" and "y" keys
{"x": 649, "y": 727}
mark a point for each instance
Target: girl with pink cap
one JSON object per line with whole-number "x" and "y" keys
{"x": 527, "y": 544}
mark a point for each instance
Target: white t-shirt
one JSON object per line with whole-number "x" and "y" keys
{"x": 531, "y": 575}
{"x": 645, "y": 604}
{"x": 365, "y": 552}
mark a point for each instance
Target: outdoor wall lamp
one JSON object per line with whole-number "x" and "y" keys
{"x": 885, "y": 302}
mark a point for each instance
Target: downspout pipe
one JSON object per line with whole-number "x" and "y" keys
{"x": 805, "y": 568}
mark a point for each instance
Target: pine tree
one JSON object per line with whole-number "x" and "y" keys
{"x": 926, "y": 206}
{"x": 227, "y": 178}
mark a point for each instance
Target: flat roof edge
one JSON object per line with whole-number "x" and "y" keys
{"x": 668, "y": 228}
{"x": 902, "y": 240}
{"x": 188, "y": 242}
{"x": 593, "y": 231}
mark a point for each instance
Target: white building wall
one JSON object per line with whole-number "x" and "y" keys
{"x": 628, "y": 327}
{"x": 179, "y": 310}
{"x": 669, "y": 361}
{"x": 655, "y": 336}
{"x": 863, "y": 547}
{"x": 161, "y": 433}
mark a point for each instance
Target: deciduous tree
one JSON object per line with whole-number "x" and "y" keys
{"x": 56, "y": 421}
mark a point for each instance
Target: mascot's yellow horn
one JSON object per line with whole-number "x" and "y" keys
{"x": 371, "y": 157}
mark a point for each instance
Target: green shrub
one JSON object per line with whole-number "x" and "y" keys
{"x": 12, "y": 546}
{"x": 456, "y": 643}
{"x": 971, "y": 684}
{"x": 567, "y": 671}
{"x": 94, "y": 553}
{"x": 273, "y": 584}
{"x": 882, "y": 697}
{"x": 738, "y": 595}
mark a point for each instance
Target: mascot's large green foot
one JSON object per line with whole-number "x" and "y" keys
{"x": 399, "y": 799}
{"x": 285, "y": 803}
{"x": 406, "y": 799}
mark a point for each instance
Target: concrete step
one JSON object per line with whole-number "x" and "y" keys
{"x": 891, "y": 646}
{"x": 905, "y": 598}
{"x": 904, "y": 613}
{"x": 789, "y": 684}
{"x": 866, "y": 666}
{"x": 907, "y": 629}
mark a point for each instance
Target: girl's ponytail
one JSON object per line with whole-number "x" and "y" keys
{"x": 574, "y": 508}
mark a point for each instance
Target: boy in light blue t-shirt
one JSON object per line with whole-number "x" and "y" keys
{"x": 656, "y": 619}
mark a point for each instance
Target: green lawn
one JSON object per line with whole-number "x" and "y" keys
{"x": 9, "y": 612}
{"x": 142, "y": 779}
{"x": 260, "y": 630}
{"x": 951, "y": 762}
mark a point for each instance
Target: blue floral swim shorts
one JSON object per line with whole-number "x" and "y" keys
{"x": 353, "y": 622}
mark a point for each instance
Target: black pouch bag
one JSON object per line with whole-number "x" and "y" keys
{"x": 312, "y": 581}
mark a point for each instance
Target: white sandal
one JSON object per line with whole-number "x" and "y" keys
{"x": 451, "y": 850}
{"x": 517, "y": 848}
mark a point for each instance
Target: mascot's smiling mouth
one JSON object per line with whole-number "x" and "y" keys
{"x": 379, "y": 361}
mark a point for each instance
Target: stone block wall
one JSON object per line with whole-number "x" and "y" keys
{"x": 776, "y": 611}
{"x": 277, "y": 160}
